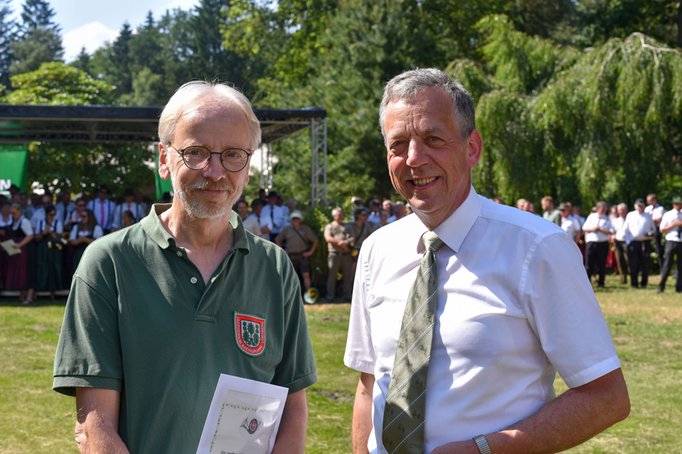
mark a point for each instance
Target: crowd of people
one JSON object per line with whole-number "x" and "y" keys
{"x": 51, "y": 233}
{"x": 612, "y": 237}
{"x": 44, "y": 236}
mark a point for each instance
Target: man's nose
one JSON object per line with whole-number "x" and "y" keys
{"x": 417, "y": 153}
{"x": 214, "y": 167}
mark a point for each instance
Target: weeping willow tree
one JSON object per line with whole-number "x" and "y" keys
{"x": 602, "y": 123}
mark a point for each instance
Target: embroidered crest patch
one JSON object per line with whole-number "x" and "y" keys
{"x": 249, "y": 333}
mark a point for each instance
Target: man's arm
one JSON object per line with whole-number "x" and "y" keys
{"x": 291, "y": 434}
{"x": 362, "y": 413}
{"x": 97, "y": 421}
{"x": 572, "y": 418}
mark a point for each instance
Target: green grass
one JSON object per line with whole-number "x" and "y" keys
{"x": 647, "y": 328}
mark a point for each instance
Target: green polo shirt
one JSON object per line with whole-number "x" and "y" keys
{"x": 140, "y": 320}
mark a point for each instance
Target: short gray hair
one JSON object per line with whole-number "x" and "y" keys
{"x": 188, "y": 94}
{"x": 408, "y": 84}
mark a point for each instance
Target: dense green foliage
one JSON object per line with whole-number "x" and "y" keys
{"x": 580, "y": 100}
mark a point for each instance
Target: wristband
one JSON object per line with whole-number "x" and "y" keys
{"x": 482, "y": 444}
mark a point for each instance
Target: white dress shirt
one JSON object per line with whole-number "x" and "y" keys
{"x": 596, "y": 220}
{"x": 277, "y": 217}
{"x": 618, "y": 224}
{"x": 656, "y": 212}
{"x": 668, "y": 218}
{"x": 568, "y": 226}
{"x": 514, "y": 305}
{"x": 638, "y": 226}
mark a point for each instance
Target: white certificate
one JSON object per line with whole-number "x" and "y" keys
{"x": 243, "y": 418}
{"x": 10, "y": 247}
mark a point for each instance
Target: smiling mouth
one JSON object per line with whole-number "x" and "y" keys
{"x": 422, "y": 181}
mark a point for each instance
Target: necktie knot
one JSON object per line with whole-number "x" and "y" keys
{"x": 431, "y": 241}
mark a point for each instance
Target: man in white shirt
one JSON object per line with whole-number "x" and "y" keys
{"x": 671, "y": 227}
{"x": 513, "y": 304}
{"x": 103, "y": 209}
{"x": 276, "y": 213}
{"x": 256, "y": 218}
{"x": 129, "y": 204}
{"x": 656, "y": 211}
{"x": 638, "y": 231}
{"x": 567, "y": 224}
{"x": 619, "y": 241}
{"x": 597, "y": 228}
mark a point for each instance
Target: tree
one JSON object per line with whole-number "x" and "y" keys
{"x": 77, "y": 167}
{"x": 58, "y": 84}
{"x": 603, "y": 123}
{"x": 7, "y": 35}
{"x": 120, "y": 72}
{"x": 39, "y": 38}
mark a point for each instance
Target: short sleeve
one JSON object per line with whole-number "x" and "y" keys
{"x": 564, "y": 313}
{"x": 89, "y": 353}
{"x": 359, "y": 348}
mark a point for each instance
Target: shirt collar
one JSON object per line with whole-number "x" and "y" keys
{"x": 454, "y": 229}
{"x": 159, "y": 235}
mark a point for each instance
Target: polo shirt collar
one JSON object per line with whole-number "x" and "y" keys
{"x": 456, "y": 227}
{"x": 158, "y": 234}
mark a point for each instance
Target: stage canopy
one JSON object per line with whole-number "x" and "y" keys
{"x": 115, "y": 124}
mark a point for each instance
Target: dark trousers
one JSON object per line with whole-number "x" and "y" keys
{"x": 621, "y": 256}
{"x": 595, "y": 259}
{"x": 638, "y": 258}
{"x": 672, "y": 249}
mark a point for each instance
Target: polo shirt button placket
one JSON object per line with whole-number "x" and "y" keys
{"x": 193, "y": 280}
{"x": 178, "y": 253}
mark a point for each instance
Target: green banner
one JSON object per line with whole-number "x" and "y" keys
{"x": 161, "y": 184}
{"x": 13, "y": 166}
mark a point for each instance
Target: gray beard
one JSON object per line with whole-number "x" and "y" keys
{"x": 195, "y": 209}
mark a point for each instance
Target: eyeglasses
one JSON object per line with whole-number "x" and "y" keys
{"x": 196, "y": 157}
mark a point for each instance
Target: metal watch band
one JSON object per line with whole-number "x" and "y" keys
{"x": 482, "y": 444}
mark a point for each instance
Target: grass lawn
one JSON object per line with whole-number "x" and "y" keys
{"x": 647, "y": 328}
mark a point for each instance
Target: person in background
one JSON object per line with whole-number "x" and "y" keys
{"x": 250, "y": 223}
{"x": 128, "y": 219}
{"x": 64, "y": 206}
{"x": 83, "y": 234}
{"x": 256, "y": 217}
{"x": 597, "y": 228}
{"x": 300, "y": 242}
{"x": 655, "y": 210}
{"x": 618, "y": 239}
{"x": 157, "y": 312}
{"x": 549, "y": 211}
{"x": 499, "y": 304}
{"x": 6, "y": 221}
{"x": 359, "y": 229}
{"x": 339, "y": 258}
{"x": 275, "y": 213}
{"x": 671, "y": 227}
{"x": 48, "y": 253}
{"x": 638, "y": 230}
{"x": 567, "y": 225}
{"x": 20, "y": 265}
{"x": 128, "y": 204}
{"x": 103, "y": 209}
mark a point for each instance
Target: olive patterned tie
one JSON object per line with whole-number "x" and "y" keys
{"x": 403, "y": 427}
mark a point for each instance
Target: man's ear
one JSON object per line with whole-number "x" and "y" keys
{"x": 474, "y": 148}
{"x": 164, "y": 158}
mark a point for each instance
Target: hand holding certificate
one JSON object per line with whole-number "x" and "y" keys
{"x": 10, "y": 247}
{"x": 244, "y": 417}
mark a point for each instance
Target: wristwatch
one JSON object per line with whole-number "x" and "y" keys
{"x": 482, "y": 444}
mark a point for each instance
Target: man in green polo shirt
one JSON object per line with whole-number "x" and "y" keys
{"x": 159, "y": 310}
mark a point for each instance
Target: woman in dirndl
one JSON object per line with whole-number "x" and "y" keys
{"x": 48, "y": 252}
{"x": 19, "y": 273}
{"x": 82, "y": 234}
